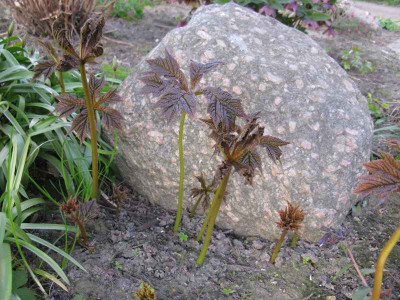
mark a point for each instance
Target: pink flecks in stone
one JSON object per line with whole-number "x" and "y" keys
{"x": 306, "y": 145}
{"x": 291, "y": 173}
{"x": 248, "y": 58}
{"x": 348, "y": 85}
{"x": 345, "y": 163}
{"x": 204, "y": 35}
{"x": 274, "y": 170}
{"x": 292, "y": 126}
{"x": 299, "y": 84}
{"x": 319, "y": 213}
{"x": 351, "y": 144}
{"x": 351, "y": 131}
{"x": 237, "y": 90}
{"x": 231, "y": 66}
{"x": 226, "y": 82}
{"x": 315, "y": 126}
{"x": 339, "y": 147}
{"x": 280, "y": 130}
{"x": 305, "y": 190}
{"x": 274, "y": 78}
{"x": 332, "y": 168}
{"x": 307, "y": 115}
{"x": 314, "y": 155}
{"x": 327, "y": 223}
{"x": 278, "y": 100}
{"x": 262, "y": 87}
{"x": 158, "y": 137}
{"x": 232, "y": 216}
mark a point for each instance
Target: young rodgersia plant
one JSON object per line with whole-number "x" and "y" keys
{"x": 238, "y": 146}
{"x": 382, "y": 181}
{"x": 90, "y": 48}
{"x": 290, "y": 220}
{"x": 167, "y": 81}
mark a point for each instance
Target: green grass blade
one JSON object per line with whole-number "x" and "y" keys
{"x": 44, "y": 226}
{"x": 27, "y": 204}
{"x": 39, "y": 253}
{"x": 5, "y": 271}
{"x": 51, "y": 277}
{"x": 56, "y": 249}
{"x": 3, "y": 221}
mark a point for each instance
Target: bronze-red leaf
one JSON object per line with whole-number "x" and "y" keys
{"x": 110, "y": 97}
{"x": 67, "y": 63}
{"x": 68, "y": 104}
{"x": 384, "y": 177}
{"x": 223, "y": 107}
{"x": 111, "y": 118}
{"x": 272, "y": 144}
{"x": 45, "y": 68}
{"x": 81, "y": 125}
{"x": 169, "y": 68}
{"x": 197, "y": 70}
{"x": 95, "y": 85}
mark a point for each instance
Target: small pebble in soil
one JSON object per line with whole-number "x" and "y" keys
{"x": 258, "y": 245}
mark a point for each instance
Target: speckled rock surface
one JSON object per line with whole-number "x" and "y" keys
{"x": 304, "y": 97}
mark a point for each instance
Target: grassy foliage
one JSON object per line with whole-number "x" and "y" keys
{"x": 128, "y": 9}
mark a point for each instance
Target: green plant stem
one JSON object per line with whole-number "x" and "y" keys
{"x": 193, "y": 211}
{"x": 219, "y": 195}
{"x": 93, "y": 133}
{"x": 376, "y": 292}
{"x": 294, "y": 239}
{"x": 200, "y": 234}
{"x": 181, "y": 173}
{"x": 278, "y": 247}
{"x": 61, "y": 80}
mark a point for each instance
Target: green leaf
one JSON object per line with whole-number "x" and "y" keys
{"x": 367, "y": 271}
{"x": 45, "y": 226}
{"x": 43, "y": 256}
{"x": 19, "y": 279}
{"x": 318, "y": 16}
{"x": 5, "y": 271}
{"x": 56, "y": 249}
{"x": 361, "y": 293}
{"x": 25, "y": 294}
{"x": 3, "y": 221}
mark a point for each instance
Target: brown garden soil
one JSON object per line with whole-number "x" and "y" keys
{"x": 139, "y": 244}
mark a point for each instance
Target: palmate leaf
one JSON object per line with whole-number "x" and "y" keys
{"x": 81, "y": 125}
{"x": 169, "y": 68}
{"x": 96, "y": 85}
{"x": 175, "y": 101}
{"x": 249, "y": 162}
{"x": 222, "y": 107}
{"x": 222, "y": 170}
{"x": 290, "y": 217}
{"x": 67, "y": 63}
{"x": 68, "y": 104}
{"x": 197, "y": 70}
{"x": 384, "y": 177}
{"x": 111, "y": 117}
{"x": 272, "y": 144}
{"x": 61, "y": 37}
{"x": 110, "y": 97}
{"x": 155, "y": 85}
{"x": 91, "y": 33}
{"x": 45, "y": 68}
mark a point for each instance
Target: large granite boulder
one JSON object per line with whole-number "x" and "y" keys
{"x": 304, "y": 97}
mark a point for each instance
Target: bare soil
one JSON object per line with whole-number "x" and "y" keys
{"x": 140, "y": 244}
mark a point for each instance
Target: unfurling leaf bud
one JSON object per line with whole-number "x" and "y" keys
{"x": 115, "y": 64}
{"x": 10, "y": 29}
{"x": 23, "y": 41}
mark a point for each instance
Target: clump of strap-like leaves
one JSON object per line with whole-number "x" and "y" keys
{"x": 239, "y": 149}
{"x": 290, "y": 220}
{"x": 90, "y": 47}
{"x": 382, "y": 181}
{"x": 177, "y": 97}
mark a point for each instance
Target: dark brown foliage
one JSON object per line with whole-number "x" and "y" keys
{"x": 291, "y": 217}
{"x": 68, "y": 104}
{"x": 383, "y": 178}
{"x": 203, "y": 193}
{"x": 37, "y": 16}
{"x": 238, "y": 147}
{"x": 167, "y": 81}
